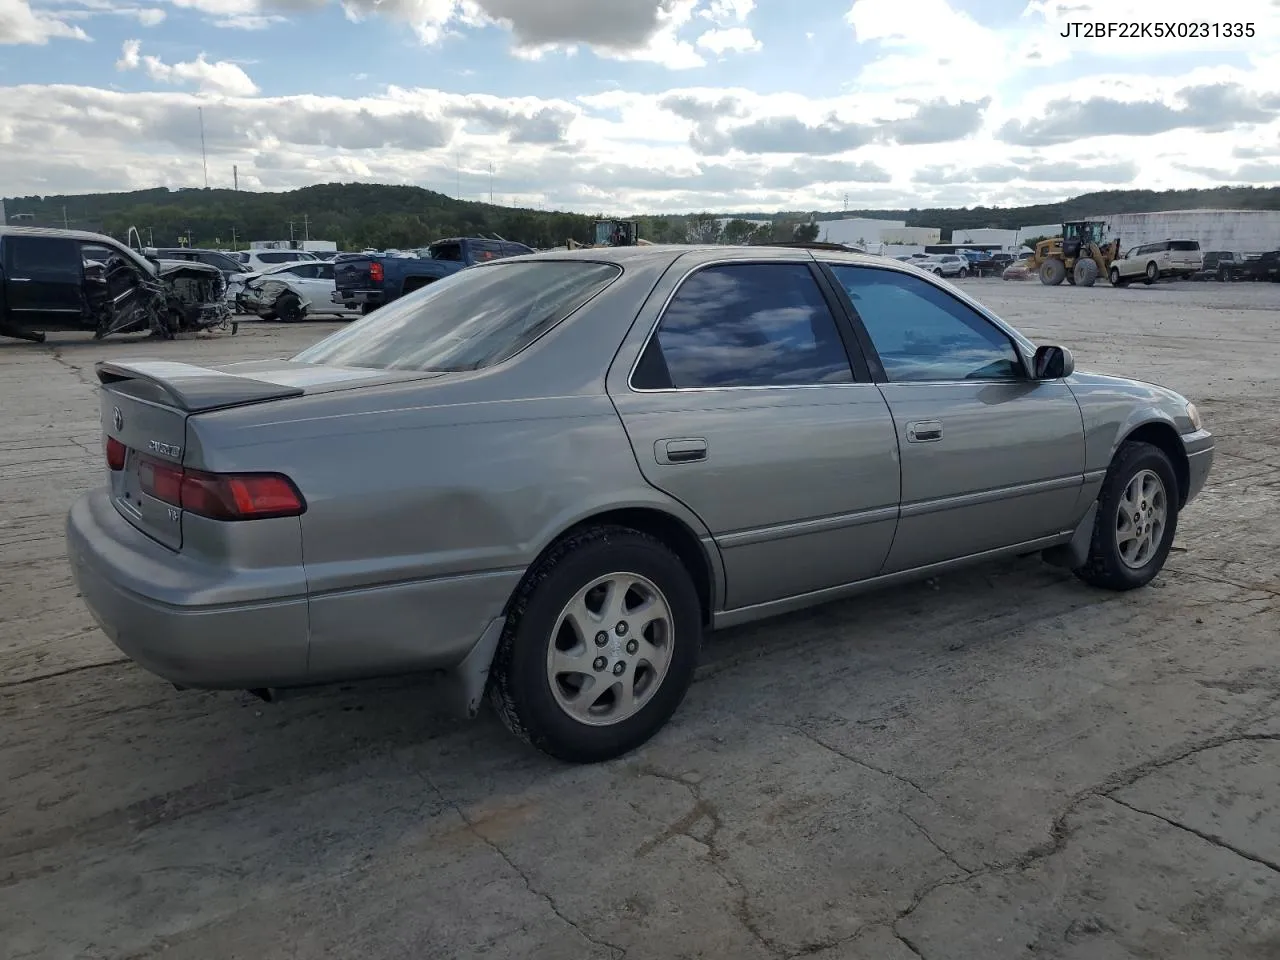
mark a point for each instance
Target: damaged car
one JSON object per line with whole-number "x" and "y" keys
{"x": 71, "y": 280}
{"x": 292, "y": 292}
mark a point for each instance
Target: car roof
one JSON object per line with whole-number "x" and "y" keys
{"x": 16, "y": 231}
{"x": 672, "y": 252}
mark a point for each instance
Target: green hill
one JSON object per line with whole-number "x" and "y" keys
{"x": 359, "y": 215}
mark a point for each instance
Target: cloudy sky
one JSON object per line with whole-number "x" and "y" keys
{"x": 629, "y": 105}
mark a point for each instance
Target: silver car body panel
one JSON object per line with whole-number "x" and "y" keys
{"x": 429, "y": 496}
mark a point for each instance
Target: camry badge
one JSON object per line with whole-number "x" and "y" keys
{"x": 117, "y": 418}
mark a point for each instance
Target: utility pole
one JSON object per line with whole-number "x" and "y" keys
{"x": 306, "y": 228}
{"x": 64, "y": 217}
{"x": 235, "y": 177}
{"x": 204, "y": 157}
{"x": 457, "y": 174}
{"x": 491, "y": 182}
{"x": 233, "y": 238}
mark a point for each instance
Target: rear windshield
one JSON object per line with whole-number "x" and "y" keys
{"x": 1184, "y": 245}
{"x": 475, "y": 318}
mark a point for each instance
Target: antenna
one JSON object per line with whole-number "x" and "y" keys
{"x": 204, "y": 157}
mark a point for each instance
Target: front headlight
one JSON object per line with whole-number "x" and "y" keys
{"x": 1194, "y": 415}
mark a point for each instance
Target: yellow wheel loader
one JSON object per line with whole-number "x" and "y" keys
{"x": 1078, "y": 255}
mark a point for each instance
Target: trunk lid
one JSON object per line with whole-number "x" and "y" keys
{"x": 145, "y": 407}
{"x": 353, "y": 274}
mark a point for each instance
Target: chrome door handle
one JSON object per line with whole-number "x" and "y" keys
{"x": 682, "y": 450}
{"x": 924, "y": 431}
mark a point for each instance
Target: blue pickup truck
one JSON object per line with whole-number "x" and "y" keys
{"x": 366, "y": 281}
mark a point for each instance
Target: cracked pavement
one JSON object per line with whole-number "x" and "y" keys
{"x": 999, "y": 763}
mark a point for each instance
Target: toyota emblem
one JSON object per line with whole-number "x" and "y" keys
{"x": 117, "y": 418}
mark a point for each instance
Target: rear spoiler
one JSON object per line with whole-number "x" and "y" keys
{"x": 190, "y": 388}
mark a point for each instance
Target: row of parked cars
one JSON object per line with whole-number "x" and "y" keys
{"x": 291, "y": 285}
{"x": 1225, "y": 266}
{"x": 962, "y": 263}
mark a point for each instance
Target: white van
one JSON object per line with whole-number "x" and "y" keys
{"x": 1153, "y": 261}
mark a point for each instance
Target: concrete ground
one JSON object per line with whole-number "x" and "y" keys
{"x": 998, "y": 764}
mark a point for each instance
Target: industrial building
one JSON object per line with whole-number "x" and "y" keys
{"x": 1240, "y": 231}
{"x": 862, "y": 231}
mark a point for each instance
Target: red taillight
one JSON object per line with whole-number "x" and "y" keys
{"x": 115, "y": 454}
{"x": 375, "y": 272}
{"x": 252, "y": 496}
{"x": 161, "y": 480}
{"x": 221, "y": 496}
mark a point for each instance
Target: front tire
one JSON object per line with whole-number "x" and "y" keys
{"x": 1052, "y": 272}
{"x": 600, "y": 646}
{"x": 964, "y": 272}
{"x": 1152, "y": 275}
{"x": 289, "y": 308}
{"x": 1085, "y": 273}
{"x": 1136, "y": 522}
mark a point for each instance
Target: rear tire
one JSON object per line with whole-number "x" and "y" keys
{"x": 536, "y": 691}
{"x": 1141, "y": 481}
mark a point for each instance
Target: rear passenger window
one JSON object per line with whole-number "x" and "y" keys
{"x": 40, "y": 257}
{"x": 745, "y": 325}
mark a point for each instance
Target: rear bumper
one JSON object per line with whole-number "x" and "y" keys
{"x": 224, "y": 628}
{"x": 359, "y": 297}
{"x": 119, "y": 572}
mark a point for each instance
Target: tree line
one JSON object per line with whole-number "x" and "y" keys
{"x": 382, "y": 216}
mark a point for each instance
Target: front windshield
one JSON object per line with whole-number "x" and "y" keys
{"x": 472, "y": 319}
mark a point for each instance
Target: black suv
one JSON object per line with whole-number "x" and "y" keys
{"x": 1218, "y": 265}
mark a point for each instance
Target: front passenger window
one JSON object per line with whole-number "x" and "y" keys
{"x": 922, "y": 333}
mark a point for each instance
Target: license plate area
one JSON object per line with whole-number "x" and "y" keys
{"x": 157, "y": 519}
{"x": 129, "y": 487}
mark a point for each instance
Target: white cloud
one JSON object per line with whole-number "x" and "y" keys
{"x": 728, "y": 11}
{"x": 222, "y": 77}
{"x": 939, "y": 109}
{"x": 249, "y": 21}
{"x": 739, "y": 39}
{"x": 19, "y": 24}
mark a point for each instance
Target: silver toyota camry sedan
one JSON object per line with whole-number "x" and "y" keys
{"x": 551, "y": 475}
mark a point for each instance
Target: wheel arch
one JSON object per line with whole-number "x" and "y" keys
{"x": 696, "y": 554}
{"x": 1162, "y": 434}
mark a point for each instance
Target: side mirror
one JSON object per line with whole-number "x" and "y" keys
{"x": 1053, "y": 363}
